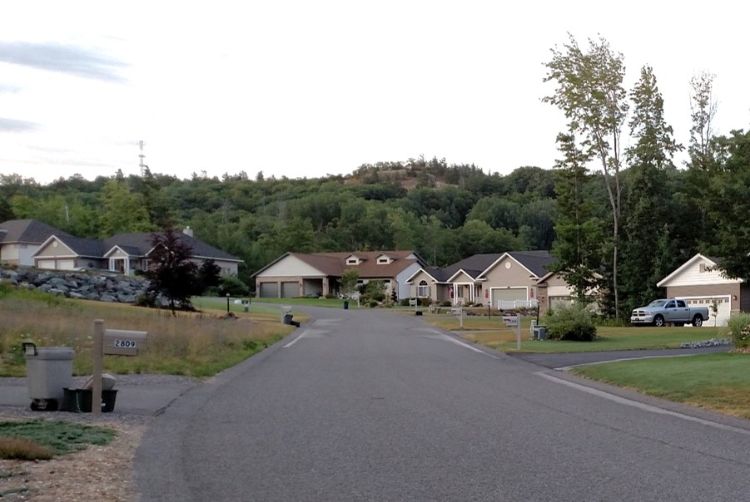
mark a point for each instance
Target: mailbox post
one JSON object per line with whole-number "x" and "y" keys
{"x": 116, "y": 342}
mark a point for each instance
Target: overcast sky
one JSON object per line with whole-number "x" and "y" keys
{"x": 307, "y": 88}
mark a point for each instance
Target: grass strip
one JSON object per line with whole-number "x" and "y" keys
{"x": 719, "y": 382}
{"x": 56, "y": 436}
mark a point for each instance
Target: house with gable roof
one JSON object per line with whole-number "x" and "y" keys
{"x": 20, "y": 240}
{"x": 502, "y": 280}
{"x": 319, "y": 274}
{"x": 34, "y": 243}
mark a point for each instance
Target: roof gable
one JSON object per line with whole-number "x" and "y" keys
{"x": 535, "y": 262}
{"x": 692, "y": 273}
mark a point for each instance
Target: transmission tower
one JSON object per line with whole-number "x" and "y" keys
{"x": 142, "y": 156}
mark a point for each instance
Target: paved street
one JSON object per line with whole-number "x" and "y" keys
{"x": 371, "y": 405}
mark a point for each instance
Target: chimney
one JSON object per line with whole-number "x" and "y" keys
{"x": 188, "y": 231}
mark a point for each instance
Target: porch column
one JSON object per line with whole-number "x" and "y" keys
{"x": 278, "y": 289}
{"x": 325, "y": 286}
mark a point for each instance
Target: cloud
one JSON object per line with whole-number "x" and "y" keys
{"x": 13, "y": 125}
{"x": 9, "y": 88}
{"x": 61, "y": 58}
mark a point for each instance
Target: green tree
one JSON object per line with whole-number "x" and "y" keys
{"x": 577, "y": 249}
{"x": 729, "y": 204}
{"x": 590, "y": 93}
{"x": 122, "y": 211}
{"x": 6, "y": 211}
{"x": 349, "y": 282}
{"x": 647, "y": 215}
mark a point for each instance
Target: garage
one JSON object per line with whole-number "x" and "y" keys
{"x": 53, "y": 264}
{"x": 722, "y": 302}
{"x": 269, "y": 290}
{"x": 289, "y": 289}
{"x": 507, "y": 297}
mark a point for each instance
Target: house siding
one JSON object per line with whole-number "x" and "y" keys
{"x": 515, "y": 276}
{"x": 692, "y": 275}
{"x": 422, "y": 276}
{"x": 289, "y": 266}
{"x": 49, "y": 251}
{"x": 745, "y": 298}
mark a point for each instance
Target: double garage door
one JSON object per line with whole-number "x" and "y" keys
{"x": 723, "y": 302}
{"x": 56, "y": 264}
{"x": 271, "y": 289}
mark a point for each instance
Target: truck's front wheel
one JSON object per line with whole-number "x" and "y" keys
{"x": 658, "y": 321}
{"x": 698, "y": 321}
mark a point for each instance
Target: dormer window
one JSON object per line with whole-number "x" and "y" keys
{"x": 384, "y": 260}
{"x": 352, "y": 260}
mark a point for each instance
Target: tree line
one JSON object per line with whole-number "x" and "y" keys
{"x": 616, "y": 220}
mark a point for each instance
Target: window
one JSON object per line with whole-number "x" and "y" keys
{"x": 423, "y": 290}
{"x": 383, "y": 260}
{"x": 680, "y": 304}
{"x": 352, "y": 260}
{"x": 669, "y": 305}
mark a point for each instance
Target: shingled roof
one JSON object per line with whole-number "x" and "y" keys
{"x": 27, "y": 231}
{"x": 140, "y": 243}
{"x": 334, "y": 264}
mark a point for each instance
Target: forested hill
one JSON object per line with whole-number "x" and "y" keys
{"x": 445, "y": 212}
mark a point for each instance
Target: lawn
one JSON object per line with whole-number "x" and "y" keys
{"x": 492, "y": 333}
{"x": 194, "y": 344}
{"x": 719, "y": 382}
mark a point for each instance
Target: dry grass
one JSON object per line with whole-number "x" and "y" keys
{"x": 191, "y": 344}
{"x": 23, "y": 449}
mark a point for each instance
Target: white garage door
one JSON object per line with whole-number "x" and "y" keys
{"x": 722, "y": 302}
{"x": 505, "y": 298}
{"x": 66, "y": 264}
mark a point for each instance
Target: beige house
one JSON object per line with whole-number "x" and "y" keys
{"x": 319, "y": 274}
{"x": 503, "y": 280}
{"x": 701, "y": 282}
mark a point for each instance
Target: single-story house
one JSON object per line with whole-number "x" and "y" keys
{"x": 20, "y": 239}
{"x": 319, "y": 274}
{"x": 702, "y": 283}
{"x": 33, "y": 243}
{"x": 503, "y": 280}
{"x": 124, "y": 253}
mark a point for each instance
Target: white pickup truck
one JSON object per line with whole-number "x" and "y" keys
{"x": 669, "y": 310}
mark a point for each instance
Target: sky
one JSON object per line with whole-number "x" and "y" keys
{"x": 305, "y": 89}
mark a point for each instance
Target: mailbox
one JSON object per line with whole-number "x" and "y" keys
{"x": 122, "y": 342}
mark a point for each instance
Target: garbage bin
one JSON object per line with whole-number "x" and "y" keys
{"x": 288, "y": 318}
{"x": 48, "y": 371}
{"x": 540, "y": 332}
{"x": 346, "y": 304}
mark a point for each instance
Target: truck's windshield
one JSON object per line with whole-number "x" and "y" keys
{"x": 657, "y": 303}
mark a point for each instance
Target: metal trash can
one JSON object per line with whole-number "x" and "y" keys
{"x": 48, "y": 371}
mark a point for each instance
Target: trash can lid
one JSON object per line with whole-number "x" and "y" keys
{"x": 54, "y": 353}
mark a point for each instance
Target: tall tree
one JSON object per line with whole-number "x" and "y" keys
{"x": 590, "y": 93}
{"x": 123, "y": 210}
{"x": 647, "y": 216}
{"x": 577, "y": 249}
{"x": 729, "y": 204}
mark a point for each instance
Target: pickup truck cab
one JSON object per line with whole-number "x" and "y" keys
{"x": 669, "y": 310}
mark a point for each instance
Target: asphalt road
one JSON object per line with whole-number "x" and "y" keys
{"x": 367, "y": 405}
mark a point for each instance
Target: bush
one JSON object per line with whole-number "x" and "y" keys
{"x": 234, "y": 286}
{"x": 570, "y": 323}
{"x": 445, "y": 303}
{"x": 404, "y": 302}
{"x": 372, "y": 304}
{"x": 739, "y": 330}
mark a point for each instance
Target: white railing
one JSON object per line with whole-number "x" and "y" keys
{"x": 517, "y": 304}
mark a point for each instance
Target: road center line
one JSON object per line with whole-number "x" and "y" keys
{"x": 642, "y": 406}
{"x": 295, "y": 340}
